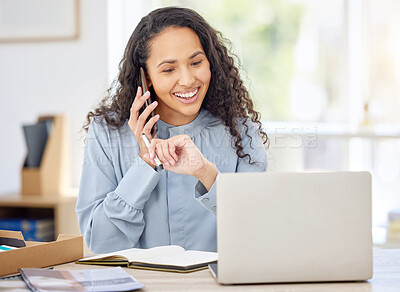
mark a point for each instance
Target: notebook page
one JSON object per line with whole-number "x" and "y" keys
{"x": 184, "y": 259}
{"x": 139, "y": 254}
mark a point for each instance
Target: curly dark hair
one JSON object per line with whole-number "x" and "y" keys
{"x": 226, "y": 98}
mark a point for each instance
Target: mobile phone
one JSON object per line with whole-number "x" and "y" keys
{"x": 145, "y": 88}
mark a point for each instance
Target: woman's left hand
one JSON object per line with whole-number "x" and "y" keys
{"x": 179, "y": 154}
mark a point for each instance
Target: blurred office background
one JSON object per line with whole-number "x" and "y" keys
{"x": 324, "y": 74}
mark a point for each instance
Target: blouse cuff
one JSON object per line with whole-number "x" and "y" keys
{"x": 137, "y": 184}
{"x": 207, "y": 199}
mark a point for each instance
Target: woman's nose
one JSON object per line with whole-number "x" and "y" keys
{"x": 186, "y": 77}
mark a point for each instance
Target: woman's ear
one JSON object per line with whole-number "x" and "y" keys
{"x": 148, "y": 80}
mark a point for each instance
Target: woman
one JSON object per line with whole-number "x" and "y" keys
{"x": 206, "y": 125}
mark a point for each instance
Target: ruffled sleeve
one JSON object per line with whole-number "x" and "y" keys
{"x": 110, "y": 210}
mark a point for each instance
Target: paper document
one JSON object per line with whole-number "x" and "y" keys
{"x": 110, "y": 279}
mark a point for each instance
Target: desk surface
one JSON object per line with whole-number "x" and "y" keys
{"x": 386, "y": 278}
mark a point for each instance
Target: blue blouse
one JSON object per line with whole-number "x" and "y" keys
{"x": 123, "y": 202}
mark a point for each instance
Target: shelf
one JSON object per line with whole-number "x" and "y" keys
{"x": 60, "y": 208}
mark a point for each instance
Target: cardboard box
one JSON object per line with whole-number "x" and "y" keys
{"x": 67, "y": 248}
{"x": 52, "y": 177}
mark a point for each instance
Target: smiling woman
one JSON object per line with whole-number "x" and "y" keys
{"x": 180, "y": 72}
{"x": 206, "y": 125}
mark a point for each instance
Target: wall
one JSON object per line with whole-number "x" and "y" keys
{"x": 51, "y": 77}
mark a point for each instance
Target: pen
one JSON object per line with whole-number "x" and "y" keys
{"x": 147, "y": 142}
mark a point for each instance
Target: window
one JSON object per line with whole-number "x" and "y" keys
{"x": 314, "y": 61}
{"x": 327, "y": 73}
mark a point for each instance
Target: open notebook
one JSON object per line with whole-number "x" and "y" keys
{"x": 163, "y": 258}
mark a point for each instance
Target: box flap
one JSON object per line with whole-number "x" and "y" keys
{"x": 33, "y": 243}
{"x": 60, "y": 237}
{"x": 11, "y": 234}
{"x": 65, "y": 236}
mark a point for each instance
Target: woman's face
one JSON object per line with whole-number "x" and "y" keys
{"x": 180, "y": 74}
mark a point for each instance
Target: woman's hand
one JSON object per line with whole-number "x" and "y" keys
{"x": 179, "y": 154}
{"x": 138, "y": 124}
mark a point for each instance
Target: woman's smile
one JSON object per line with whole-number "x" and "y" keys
{"x": 187, "y": 96}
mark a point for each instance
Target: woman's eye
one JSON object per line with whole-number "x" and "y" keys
{"x": 168, "y": 70}
{"x": 197, "y": 63}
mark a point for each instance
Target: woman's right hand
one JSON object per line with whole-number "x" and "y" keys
{"x": 137, "y": 122}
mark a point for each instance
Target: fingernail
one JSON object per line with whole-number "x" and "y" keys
{"x": 155, "y": 103}
{"x": 166, "y": 163}
{"x": 138, "y": 88}
{"x": 147, "y": 93}
{"x": 151, "y": 155}
{"x": 171, "y": 162}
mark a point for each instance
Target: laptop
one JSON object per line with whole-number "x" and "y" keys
{"x": 293, "y": 227}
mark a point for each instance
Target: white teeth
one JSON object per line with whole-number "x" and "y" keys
{"x": 187, "y": 95}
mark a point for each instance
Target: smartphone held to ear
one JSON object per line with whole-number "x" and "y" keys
{"x": 145, "y": 88}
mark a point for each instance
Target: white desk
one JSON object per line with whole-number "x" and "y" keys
{"x": 386, "y": 278}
